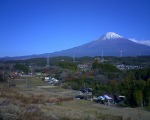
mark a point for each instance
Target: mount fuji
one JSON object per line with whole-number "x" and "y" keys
{"x": 110, "y": 44}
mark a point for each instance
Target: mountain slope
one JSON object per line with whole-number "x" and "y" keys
{"x": 110, "y": 44}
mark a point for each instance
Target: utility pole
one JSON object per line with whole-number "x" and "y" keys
{"x": 102, "y": 56}
{"x": 48, "y": 65}
{"x": 74, "y": 58}
{"x": 120, "y": 53}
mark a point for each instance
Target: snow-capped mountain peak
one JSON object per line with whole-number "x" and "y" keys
{"x": 111, "y": 35}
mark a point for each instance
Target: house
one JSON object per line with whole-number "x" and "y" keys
{"x": 85, "y": 92}
{"x": 47, "y": 79}
{"x": 107, "y": 97}
{"x": 107, "y": 100}
{"x": 101, "y": 98}
{"x": 53, "y": 81}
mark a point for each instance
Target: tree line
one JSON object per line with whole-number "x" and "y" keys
{"x": 105, "y": 77}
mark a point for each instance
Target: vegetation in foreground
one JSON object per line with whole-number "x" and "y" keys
{"x": 32, "y": 103}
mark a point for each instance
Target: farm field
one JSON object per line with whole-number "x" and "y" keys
{"x": 34, "y": 102}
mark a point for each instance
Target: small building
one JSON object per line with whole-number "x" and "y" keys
{"x": 47, "y": 79}
{"x": 53, "y": 81}
{"x": 85, "y": 92}
{"x": 107, "y": 100}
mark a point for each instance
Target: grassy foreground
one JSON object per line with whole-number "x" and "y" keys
{"x": 55, "y": 103}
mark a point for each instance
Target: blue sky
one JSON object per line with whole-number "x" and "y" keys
{"x": 43, "y": 26}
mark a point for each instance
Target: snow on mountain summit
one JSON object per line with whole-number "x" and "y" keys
{"x": 111, "y": 35}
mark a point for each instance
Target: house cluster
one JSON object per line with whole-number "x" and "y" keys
{"x": 107, "y": 99}
{"x": 84, "y": 67}
{"x": 51, "y": 81}
{"x": 127, "y": 67}
{"x": 110, "y": 99}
